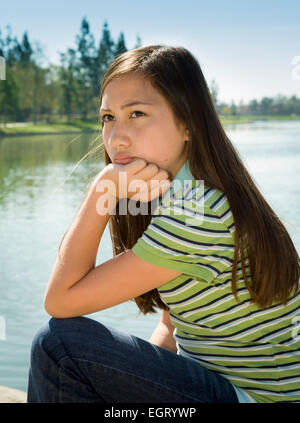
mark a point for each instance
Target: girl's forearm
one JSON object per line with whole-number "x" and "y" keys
{"x": 78, "y": 250}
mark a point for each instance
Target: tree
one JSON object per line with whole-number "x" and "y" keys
{"x": 105, "y": 51}
{"x": 120, "y": 46}
{"x": 265, "y": 105}
{"x": 292, "y": 105}
{"x": 9, "y": 98}
{"x": 68, "y": 82}
{"x": 9, "y": 93}
{"x": 51, "y": 92}
{"x": 233, "y": 108}
{"x": 2, "y": 45}
{"x": 85, "y": 67}
{"x": 138, "y": 41}
{"x": 85, "y": 44}
{"x": 226, "y": 111}
{"x": 253, "y": 107}
{"x": 242, "y": 108}
{"x": 9, "y": 47}
{"x": 24, "y": 51}
{"x": 38, "y": 79}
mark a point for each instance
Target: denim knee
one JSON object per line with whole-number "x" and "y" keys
{"x": 47, "y": 343}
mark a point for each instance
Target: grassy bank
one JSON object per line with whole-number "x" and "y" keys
{"x": 231, "y": 119}
{"x": 79, "y": 126}
{"x": 76, "y": 126}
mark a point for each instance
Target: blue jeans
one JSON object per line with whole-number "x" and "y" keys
{"x": 79, "y": 360}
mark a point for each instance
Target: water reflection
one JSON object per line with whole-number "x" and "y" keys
{"x": 40, "y": 192}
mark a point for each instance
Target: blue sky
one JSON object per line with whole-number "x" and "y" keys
{"x": 246, "y": 46}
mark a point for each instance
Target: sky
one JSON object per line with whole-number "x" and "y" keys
{"x": 250, "y": 48}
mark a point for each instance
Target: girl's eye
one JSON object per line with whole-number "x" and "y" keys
{"x": 136, "y": 111}
{"x": 103, "y": 120}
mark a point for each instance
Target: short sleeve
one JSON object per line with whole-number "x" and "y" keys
{"x": 201, "y": 247}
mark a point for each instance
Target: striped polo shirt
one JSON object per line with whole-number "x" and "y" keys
{"x": 257, "y": 350}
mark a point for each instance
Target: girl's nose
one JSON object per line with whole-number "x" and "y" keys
{"x": 118, "y": 137}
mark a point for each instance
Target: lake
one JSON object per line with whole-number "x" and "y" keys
{"x": 40, "y": 192}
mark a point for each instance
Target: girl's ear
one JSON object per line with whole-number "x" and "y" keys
{"x": 187, "y": 134}
{"x": 184, "y": 131}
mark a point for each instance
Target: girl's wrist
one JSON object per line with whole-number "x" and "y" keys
{"x": 104, "y": 193}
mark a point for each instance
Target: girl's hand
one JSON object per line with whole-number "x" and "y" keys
{"x": 137, "y": 180}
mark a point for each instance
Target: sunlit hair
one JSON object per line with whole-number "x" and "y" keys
{"x": 259, "y": 235}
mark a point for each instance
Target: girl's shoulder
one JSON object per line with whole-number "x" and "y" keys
{"x": 217, "y": 206}
{"x": 213, "y": 197}
{"x": 196, "y": 204}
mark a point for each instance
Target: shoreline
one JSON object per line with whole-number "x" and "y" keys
{"x": 24, "y": 134}
{"x": 80, "y": 127}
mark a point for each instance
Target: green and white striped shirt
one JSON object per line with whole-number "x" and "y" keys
{"x": 257, "y": 350}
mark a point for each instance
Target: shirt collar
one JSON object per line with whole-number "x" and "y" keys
{"x": 184, "y": 173}
{"x": 184, "y": 178}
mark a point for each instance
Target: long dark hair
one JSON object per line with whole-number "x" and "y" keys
{"x": 260, "y": 236}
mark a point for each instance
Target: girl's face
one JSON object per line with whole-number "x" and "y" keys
{"x": 146, "y": 131}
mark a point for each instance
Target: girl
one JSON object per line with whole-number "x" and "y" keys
{"x": 214, "y": 258}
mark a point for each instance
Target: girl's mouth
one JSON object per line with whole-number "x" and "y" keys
{"x": 124, "y": 161}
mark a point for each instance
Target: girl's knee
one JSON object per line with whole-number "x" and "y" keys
{"x": 47, "y": 340}
{"x": 62, "y": 337}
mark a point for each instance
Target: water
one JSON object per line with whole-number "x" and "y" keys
{"x": 40, "y": 192}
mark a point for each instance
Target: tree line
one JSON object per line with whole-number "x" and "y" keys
{"x": 279, "y": 105}
{"x": 33, "y": 92}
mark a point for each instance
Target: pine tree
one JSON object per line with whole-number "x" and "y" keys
{"x": 138, "y": 42}
{"x": 85, "y": 44}
{"x": 120, "y": 46}
{"x": 2, "y": 45}
{"x": 68, "y": 82}
{"x": 85, "y": 67}
{"x": 9, "y": 98}
{"x": 105, "y": 52}
{"x": 9, "y": 93}
{"x": 24, "y": 51}
{"x": 10, "y": 47}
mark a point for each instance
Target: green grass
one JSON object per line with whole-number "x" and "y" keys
{"x": 58, "y": 127}
{"x": 79, "y": 126}
{"x": 231, "y": 119}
